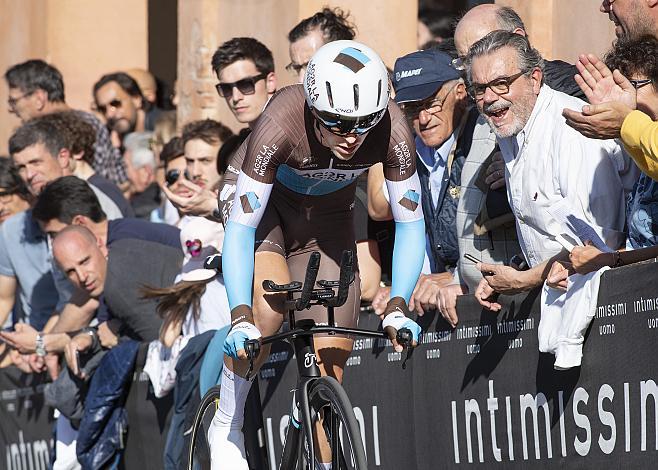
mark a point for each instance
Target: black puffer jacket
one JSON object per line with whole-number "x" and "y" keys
{"x": 559, "y": 76}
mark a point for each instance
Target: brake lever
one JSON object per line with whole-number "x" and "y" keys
{"x": 252, "y": 348}
{"x": 404, "y": 337}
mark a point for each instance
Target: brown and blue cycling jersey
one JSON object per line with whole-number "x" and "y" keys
{"x": 284, "y": 148}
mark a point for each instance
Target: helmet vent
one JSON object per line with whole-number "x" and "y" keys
{"x": 379, "y": 91}
{"x": 329, "y": 95}
{"x": 356, "y": 96}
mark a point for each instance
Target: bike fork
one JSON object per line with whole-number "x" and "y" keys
{"x": 308, "y": 372}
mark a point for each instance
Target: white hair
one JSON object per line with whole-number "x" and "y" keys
{"x": 141, "y": 157}
{"x": 137, "y": 140}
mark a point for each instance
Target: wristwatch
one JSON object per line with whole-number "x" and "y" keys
{"x": 40, "y": 347}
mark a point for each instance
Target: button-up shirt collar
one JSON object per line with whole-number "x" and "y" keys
{"x": 547, "y": 162}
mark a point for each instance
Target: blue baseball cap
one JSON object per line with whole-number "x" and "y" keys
{"x": 419, "y": 75}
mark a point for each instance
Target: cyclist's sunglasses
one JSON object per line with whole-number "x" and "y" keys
{"x": 345, "y": 125}
{"x": 172, "y": 176}
{"x": 102, "y": 108}
{"x": 246, "y": 86}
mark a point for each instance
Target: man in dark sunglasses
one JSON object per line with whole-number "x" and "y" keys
{"x": 118, "y": 98}
{"x": 245, "y": 70}
{"x": 295, "y": 194}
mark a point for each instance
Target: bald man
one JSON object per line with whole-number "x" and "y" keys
{"x": 482, "y": 19}
{"x": 146, "y": 82}
{"x": 82, "y": 257}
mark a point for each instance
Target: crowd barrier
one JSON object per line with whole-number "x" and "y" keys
{"x": 480, "y": 394}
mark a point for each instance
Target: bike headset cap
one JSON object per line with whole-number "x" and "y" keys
{"x": 347, "y": 87}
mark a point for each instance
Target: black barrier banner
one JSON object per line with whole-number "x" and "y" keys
{"x": 26, "y": 423}
{"x": 482, "y": 393}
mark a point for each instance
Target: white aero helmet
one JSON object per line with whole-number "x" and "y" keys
{"x": 346, "y": 86}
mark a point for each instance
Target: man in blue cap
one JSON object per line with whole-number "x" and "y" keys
{"x": 432, "y": 93}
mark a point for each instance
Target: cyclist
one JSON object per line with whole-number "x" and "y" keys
{"x": 293, "y": 195}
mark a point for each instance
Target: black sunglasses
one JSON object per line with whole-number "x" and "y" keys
{"x": 172, "y": 176}
{"x": 102, "y": 108}
{"x": 246, "y": 86}
{"x": 637, "y": 84}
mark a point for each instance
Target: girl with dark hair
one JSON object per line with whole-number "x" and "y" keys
{"x": 196, "y": 303}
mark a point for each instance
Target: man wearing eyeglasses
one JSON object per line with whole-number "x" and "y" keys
{"x": 546, "y": 162}
{"x": 312, "y": 33}
{"x": 432, "y": 94}
{"x": 37, "y": 88}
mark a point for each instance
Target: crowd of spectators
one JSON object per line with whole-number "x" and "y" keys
{"x": 108, "y": 215}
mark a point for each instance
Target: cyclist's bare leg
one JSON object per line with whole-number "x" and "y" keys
{"x": 268, "y": 308}
{"x": 332, "y": 353}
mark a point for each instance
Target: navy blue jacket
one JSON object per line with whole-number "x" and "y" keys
{"x": 440, "y": 223}
{"x": 101, "y": 432}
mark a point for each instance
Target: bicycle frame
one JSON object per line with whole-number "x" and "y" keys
{"x": 301, "y": 332}
{"x": 300, "y": 337}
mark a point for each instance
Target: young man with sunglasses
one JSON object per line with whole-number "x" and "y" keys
{"x": 294, "y": 194}
{"x": 245, "y": 69}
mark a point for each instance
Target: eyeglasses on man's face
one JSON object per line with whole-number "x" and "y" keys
{"x": 115, "y": 103}
{"x": 13, "y": 101}
{"x": 294, "y": 68}
{"x": 412, "y": 109}
{"x": 499, "y": 86}
{"x": 246, "y": 86}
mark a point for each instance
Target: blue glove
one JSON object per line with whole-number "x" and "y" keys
{"x": 236, "y": 338}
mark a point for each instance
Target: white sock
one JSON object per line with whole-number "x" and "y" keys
{"x": 322, "y": 466}
{"x": 225, "y": 433}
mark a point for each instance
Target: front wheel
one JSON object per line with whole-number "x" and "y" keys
{"x": 329, "y": 402}
{"x": 199, "y": 450}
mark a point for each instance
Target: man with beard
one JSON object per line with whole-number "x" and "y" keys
{"x": 546, "y": 162}
{"x": 119, "y": 99}
{"x": 632, "y": 18}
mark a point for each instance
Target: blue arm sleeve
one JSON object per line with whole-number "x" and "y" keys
{"x": 408, "y": 255}
{"x": 238, "y": 263}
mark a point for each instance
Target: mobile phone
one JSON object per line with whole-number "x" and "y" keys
{"x": 475, "y": 260}
{"x": 77, "y": 362}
